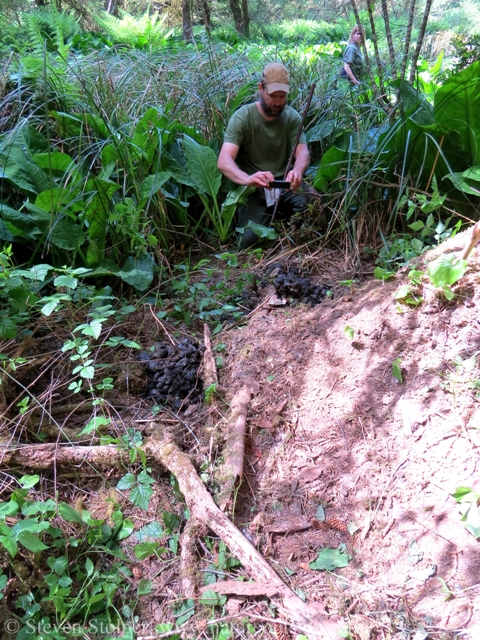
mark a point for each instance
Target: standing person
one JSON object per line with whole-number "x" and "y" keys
{"x": 257, "y": 146}
{"x": 352, "y": 57}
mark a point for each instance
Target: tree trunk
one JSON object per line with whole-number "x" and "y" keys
{"x": 408, "y": 35}
{"x": 207, "y": 16}
{"x": 421, "y": 36}
{"x": 370, "y": 7}
{"x": 388, "y": 33}
{"x": 187, "y": 21}
{"x": 111, "y": 7}
{"x": 237, "y": 15}
{"x": 246, "y": 19}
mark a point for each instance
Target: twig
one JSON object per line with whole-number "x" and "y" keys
{"x": 162, "y": 325}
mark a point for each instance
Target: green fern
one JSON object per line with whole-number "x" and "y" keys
{"x": 147, "y": 31}
{"x": 56, "y": 28}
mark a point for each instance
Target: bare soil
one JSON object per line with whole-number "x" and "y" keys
{"x": 382, "y": 457}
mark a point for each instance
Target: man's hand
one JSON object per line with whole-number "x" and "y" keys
{"x": 260, "y": 179}
{"x": 295, "y": 178}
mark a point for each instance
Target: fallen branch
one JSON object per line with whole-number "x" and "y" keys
{"x": 234, "y": 449}
{"x": 188, "y": 564}
{"x": 45, "y": 456}
{"x": 202, "y": 507}
{"x": 234, "y": 587}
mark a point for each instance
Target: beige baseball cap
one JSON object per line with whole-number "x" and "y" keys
{"x": 275, "y": 78}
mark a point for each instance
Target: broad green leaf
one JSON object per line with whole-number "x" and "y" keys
{"x": 67, "y": 235}
{"x": 31, "y": 542}
{"x": 89, "y": 567}
{"x": 8, "y": 328}
{"x": 211, "y": 598}
{"x": 144, "y": 587}
{"x": 153, "y": 183}
{"x": 185, "y": 612}
{"x": 446, "y": 270}
{"x": 178, "y": 172}
{"x": 260, "y": 230}
{"x": 146, "y": 549}
{"x": 333, "y": 162}
{"x": 150, "y": 530}
{"x": 138, "y": 272}
{"x": 457, "y": 106}
{"x": 126, "y": 530}
{"x": 9, "y": 508}
{"x": 403, "y": 292}
{"x": 93, "y": 424}
{"x": 202, "y": 166}
{"x": 19, "y": 223}
{"x": 416, "y": 226}
{"x": 140, "y": 496}
{"x": 128, "y": 481}
{"x": 69, "y": 514}
{"x": 383, "y": 274}
{"x": 10, "y": 545}
{"x": 66, "y": 281}
{"x": 448, "y": 293}
{"x": 19, "y": 169}
{"x": 29, "y": 481}
{"x": 227, "y": 212}
{"x": 330, "y": 559}
{"x": 37, "y": 273}
{"x": 56, "y": 161}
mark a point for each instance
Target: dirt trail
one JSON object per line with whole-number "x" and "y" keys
{"x": 381, "y": 456}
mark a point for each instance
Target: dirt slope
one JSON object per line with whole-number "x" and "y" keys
{"x": 381, "y": 456}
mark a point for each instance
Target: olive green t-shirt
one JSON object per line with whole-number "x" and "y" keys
{"x": 353, "y": 56}
{"x": 264, "y": 145}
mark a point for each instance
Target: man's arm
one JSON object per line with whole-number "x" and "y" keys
{"x": 227, "y": 165}
{"x": 302, "y": 162}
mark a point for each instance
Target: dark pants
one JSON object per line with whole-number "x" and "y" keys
{"x": 256, "y": 210}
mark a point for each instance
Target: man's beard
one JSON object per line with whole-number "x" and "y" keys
{"x": 271, "y": 112}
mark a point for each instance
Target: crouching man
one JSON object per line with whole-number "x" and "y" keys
{"x": 257, "y": 146}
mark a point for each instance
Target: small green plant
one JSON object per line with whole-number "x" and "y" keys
{"x": 349, "y": 332}
{"x": 55, "y": 542}
{"x": 396, "y": 369}
{"x": 468, "y": 501}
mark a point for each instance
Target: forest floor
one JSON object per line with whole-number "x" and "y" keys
{"x": 340, "y": 455}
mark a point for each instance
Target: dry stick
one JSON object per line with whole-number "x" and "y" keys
{"x": 421, "y": 36}
{"x": 161, "y": 324}
{"x": 234, "y": 448}
{"x": 299, "y": 133}
{"x": 408, "y": 36}
{"x": 391, "y": 50}
{"x": 209, "y": 366}
{"x": 202, "y": 507}
{"x": 434, "y": 163}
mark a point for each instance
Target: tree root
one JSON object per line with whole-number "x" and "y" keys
{"x": 234, "y": 446}
{"x": 202, "y": 507}
{"x": 302, "y": 616}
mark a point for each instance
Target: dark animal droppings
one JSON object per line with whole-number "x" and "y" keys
{"x": 293, "y": 283}
{"x": 173, "y": 373}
